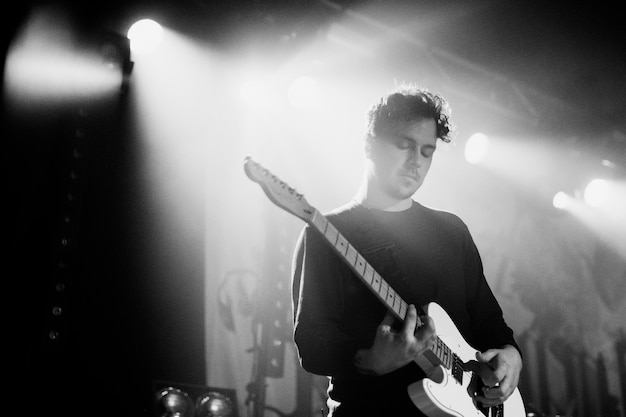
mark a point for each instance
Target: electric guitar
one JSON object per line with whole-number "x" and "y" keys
{"x": 448, "y": 389}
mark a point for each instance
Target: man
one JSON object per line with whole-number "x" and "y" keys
{"x": 342, "y": 330}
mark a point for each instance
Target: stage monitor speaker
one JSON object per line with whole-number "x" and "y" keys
{"x": 188, "y": 400}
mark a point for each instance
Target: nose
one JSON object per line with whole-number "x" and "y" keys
{"x": 413, "y": 159}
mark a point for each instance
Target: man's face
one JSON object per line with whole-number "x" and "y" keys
{"x": 402, "y": 158}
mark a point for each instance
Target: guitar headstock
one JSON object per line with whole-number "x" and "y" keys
{"x": 279, "y": 192}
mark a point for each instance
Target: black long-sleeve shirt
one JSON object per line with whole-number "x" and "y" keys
{"x": 425, "y": 255}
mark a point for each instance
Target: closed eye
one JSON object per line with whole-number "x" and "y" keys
{"x": 404, "y": 143}
{"x": 427, "y": 151}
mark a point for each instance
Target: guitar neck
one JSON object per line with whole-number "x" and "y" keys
{"x": 375, "y": 282}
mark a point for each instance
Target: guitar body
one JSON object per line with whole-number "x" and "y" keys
{"x": 440, "y": 394}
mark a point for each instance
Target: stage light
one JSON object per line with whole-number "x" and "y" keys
{"x": 145, "y": 36}
{"x": 214, "y": 404}
{"x": 560, "y": 200}
{"x": 476, "y": 148}
{"x": 174, "y": 399}
{"x": 48, "y": 66}
{"x": 173, "y": 402}
{"x": 596, "y": 192}
{"x": 304, "y": 93}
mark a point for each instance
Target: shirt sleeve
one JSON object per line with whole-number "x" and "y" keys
{"x": 324, "y": 348}
{"x": 487, "y": 321}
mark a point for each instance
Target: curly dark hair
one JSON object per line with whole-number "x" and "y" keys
{"x": 408, "y": 102}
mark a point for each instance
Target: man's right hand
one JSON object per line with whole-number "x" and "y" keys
{"x": 393, "y": 350}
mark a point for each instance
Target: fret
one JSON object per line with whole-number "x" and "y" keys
{"x": 446, "y": 358}
{"x": 438, "y": 350}
{"x": 397, "y": 303}
{"x": 351, "y": 255}
{"x": 360, "y": 264}
{"x": 341, "y": 244}
{"x": 391, "y": 297}
{"x": 331, "y": 233}
{"x": 368, "y": 275}
{"x": 384, "y": 289}
{"x": 443, "y": 352}
{"x": 403, "y": 309}
{"x": 320, "y": 222}
{"x": 376, "y": 281}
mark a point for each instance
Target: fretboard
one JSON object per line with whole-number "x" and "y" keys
{"x": 360, "y": 266}
{"x": 375, "y": 282}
